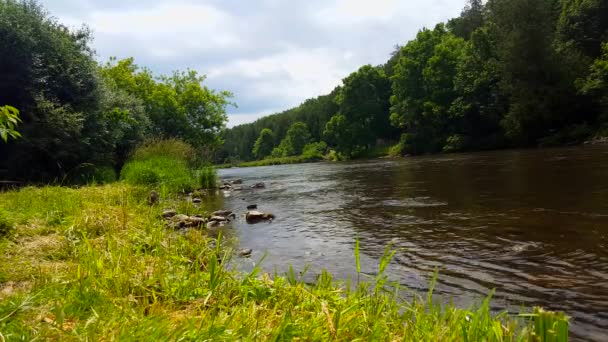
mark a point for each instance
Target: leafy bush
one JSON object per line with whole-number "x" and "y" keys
{"x": 9, "y": 119}
{"x": 454, "y": 143}
{"x": 315, "y": 150}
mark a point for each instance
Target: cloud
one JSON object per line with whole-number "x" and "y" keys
{"x": 272, "y": 54}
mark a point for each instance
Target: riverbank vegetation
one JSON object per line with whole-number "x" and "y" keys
{"x": 98, "y": 262}
{"x": 505, "y": 73}
{"x": 73, "y": 116}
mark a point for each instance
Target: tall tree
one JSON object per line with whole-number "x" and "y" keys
{"x": 264, "y": 144}
{"x": 423, "y": 89}
{"x": 470, "y": 20}
{"x": 48, "y": 72}
{"x": 293, "y": 144}
{"x": 364, "y": 102}
{"x": 530, "y": 75}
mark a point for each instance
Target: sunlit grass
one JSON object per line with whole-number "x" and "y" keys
{"x": 97, "y": 263}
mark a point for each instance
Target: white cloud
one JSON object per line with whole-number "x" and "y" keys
{"x": 269, "y": 53}
{"x": 348, "y": 12}
{"x": 243, "y": 118}
{"x": 295, "y": 74}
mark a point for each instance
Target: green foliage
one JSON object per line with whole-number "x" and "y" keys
{"x": 264, "y": 144}
{"x": 170, "y": 148}
{"x": 178, "y": 106}
{"x": 315, "y": 113}
{"x": 90, "y": 174}
{"x": 112, "y": 248}
{"x": 363, "y": 104}
{"x": 315, "y": 150}
{"x": 6, "y": 223}
{"x": 208, "y": 178}
{"x": 76, "y": 112}
{"x": 296, "y": 138}
{"x": 9, "y": 119}
{"x": 164, "y": 163}
{"x": 423, "y": 89}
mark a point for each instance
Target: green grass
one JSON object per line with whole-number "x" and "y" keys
{"x": 97, "y": 263}
{"x": 207, "y": 177}
{"x": 272, "y": 161}
{"x": 166, "y": 164}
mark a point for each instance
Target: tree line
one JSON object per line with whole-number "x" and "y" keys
{"x": 507, "y": 73}
{"x": 65, "y": 116}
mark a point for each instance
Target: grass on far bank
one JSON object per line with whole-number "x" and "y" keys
{"x": 97, "y": 263}
{"x": 271, "y": 161}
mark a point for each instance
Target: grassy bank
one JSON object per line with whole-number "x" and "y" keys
{"x": 97, "y": 263}
{"x": 272, "y": 161}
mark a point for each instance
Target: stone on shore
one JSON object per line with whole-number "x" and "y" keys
{"x": 253, "y": 217}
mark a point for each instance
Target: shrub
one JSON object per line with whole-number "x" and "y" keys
{"x": 454, "y": 143}
{"x": 164, "y": 163}
{"x": 315, "y": 150}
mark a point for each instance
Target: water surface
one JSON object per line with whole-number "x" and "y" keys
{"x": 531, "y": 224}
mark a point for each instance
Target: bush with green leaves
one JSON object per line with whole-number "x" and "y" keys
{"x": 9, "y": 119}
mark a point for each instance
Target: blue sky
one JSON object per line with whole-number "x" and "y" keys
{"x": 272, "y": 54}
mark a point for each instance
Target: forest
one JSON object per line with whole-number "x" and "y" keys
{"x": 504, "y": 74}
{"x": 67, "y": 118}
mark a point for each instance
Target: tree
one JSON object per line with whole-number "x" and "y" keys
{"x": 470, "y": 20}
{"x": 9, "y": 119}
{"x": 363, "y": 112}
{"x": 596, "y": 84}
{"x": 530, "y": 71}
{"x": 264, "y": 144}
{"x": 583, "y": 25}
{"x": 423, "y": 89}
{"x": 48, "y": 72}
{"x": 293, "y": 144}
{"x": 480, "y": 106}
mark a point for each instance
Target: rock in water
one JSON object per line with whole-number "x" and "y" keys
{"x": 237, "y": 181}
{"x": 223, "y": 213}
{"x": 258, "y": 186}
{"x": 245, "y": 252}
{"x": 252, "y": 207}
{"x": 218, "y": 219}
{"x": 153, "y": 198}
{"x": 253, "y": 217}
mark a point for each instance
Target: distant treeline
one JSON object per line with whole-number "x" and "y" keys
{"x": 79, "y": 118}
{"x": 507, "y": 73}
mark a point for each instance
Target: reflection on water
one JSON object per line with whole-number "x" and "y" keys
{"x": 531, "y": 224}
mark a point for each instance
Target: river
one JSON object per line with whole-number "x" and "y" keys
{"x": 531, "y": 224}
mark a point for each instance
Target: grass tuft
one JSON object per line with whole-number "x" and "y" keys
{"x": 162, "y": 163}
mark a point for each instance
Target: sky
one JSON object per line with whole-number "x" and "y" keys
{"x": 271, "y": 54}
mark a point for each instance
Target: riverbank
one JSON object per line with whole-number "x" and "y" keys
{"x": 98, "y": 262}
{"x": 271, "y": 161}
{"x": 378, "y": 152}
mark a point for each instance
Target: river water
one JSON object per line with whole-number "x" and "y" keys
{"x": 531, "y": 224}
